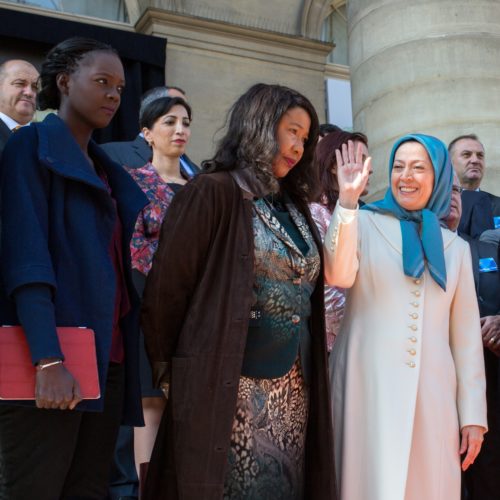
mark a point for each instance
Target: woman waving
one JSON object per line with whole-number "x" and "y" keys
{"x": 407, "y": 367}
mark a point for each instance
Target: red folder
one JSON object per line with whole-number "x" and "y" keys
{"x": 17, "y": 373}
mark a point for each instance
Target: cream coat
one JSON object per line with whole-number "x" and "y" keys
{"x": 407, "y": 366}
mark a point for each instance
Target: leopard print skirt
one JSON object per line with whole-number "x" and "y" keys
{"x": 266, "y": 458}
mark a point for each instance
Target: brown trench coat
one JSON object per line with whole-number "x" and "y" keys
{"x": 195, "y": 319}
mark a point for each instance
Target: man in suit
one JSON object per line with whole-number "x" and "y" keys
{"x": 482, "y": 480}
{"x": 137, "y": 153}
{"x": 468, "y": 158}
{"x": 18, "y": 89}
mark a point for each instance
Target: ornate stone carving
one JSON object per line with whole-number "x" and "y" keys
{"x": 314, "y": 13}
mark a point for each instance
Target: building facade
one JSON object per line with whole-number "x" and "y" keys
{"x": 424, "y": 65}
{"x": 217, "y": 49}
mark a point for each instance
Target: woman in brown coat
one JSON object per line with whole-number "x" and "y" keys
{"x": 233, "y": 317}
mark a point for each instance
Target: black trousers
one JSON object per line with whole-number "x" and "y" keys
{"x": 482, "y": 479}
{"x": 60, "y": 454}
{"x": 123, "y": 481}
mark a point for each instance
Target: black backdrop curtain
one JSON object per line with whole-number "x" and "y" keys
{"x": 24, "y": 34}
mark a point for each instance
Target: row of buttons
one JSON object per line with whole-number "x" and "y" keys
{"x": 413, "y": 315}
{"x": 298, "y": 281}
{"x": 334, "y": 238}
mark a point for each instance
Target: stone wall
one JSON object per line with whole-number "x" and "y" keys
{"x": 426, "y": 66}
{"x": 216, "y": 61}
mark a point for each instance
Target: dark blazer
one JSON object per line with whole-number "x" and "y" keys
{"x": 57, "y": 221}
{"x": 481, "y": 479}
{"x": 194, "y": 168}
{"x": 495, "y": 203}
{"x": 477, "y": 213}
{"x": 133, "y": 154}
{"x": 487, "y": 284}
{"x": 5, "y": 133}
{"x": 196, "y": 310}
{"x": 137, "y": 153}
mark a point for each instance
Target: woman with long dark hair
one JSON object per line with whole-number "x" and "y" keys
{"x": 234, "y": 321}
{"x": 322, "y": 210}
{"x": 68, "y": 213}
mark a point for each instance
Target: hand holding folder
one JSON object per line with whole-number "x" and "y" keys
{"x": 56, "y": 388}
{"x": 18, "y": 375}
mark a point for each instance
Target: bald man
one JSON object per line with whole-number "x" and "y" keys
{"x": 18, "y": 89}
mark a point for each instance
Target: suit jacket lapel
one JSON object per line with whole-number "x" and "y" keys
{"x": 58, "y": 150}
{"x": 188, "y": 168}
{"x": 142, "y": 149}
{"x": 4, "y": 134}
{"x": 265, "y": 213}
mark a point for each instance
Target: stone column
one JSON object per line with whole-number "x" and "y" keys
{"x": 426, "y": 66}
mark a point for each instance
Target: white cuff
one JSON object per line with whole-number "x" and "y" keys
{"x": 347, "y": 215}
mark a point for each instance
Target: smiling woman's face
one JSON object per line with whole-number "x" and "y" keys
{"x": 412, "y": 177}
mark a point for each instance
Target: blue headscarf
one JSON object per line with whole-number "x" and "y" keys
{"x": 429, "y": 244}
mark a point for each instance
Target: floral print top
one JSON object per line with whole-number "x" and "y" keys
{"x": 334, "y": 297}
{"x": 144, "y": 241}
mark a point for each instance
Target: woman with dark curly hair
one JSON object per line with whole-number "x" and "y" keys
{"x": 68, "y": 213}
{"x": 322, "y": 210}
{"x": 234, "y": 321}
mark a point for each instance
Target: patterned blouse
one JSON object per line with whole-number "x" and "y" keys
{"x": 334, "y": 297}
{"x": 267, "y": 455}
{"x": 284, "y": 281}
{"x": 147, "y": 228}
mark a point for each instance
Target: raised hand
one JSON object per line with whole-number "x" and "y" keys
{"x": 352, "y": 174}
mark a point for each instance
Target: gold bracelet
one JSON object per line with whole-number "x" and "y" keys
{"x": 47, "y": 365}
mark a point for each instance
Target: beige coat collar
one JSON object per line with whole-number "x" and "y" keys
{"x": 390, "y": 229}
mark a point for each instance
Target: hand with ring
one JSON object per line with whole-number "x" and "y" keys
{"x": 490, "y": 331}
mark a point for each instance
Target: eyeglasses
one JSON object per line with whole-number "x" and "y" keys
{"x": 457, "y": 189}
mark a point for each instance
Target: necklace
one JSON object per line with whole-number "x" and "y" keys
{"x": 169, "y": 179}
{"x": 174, "y": 180}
